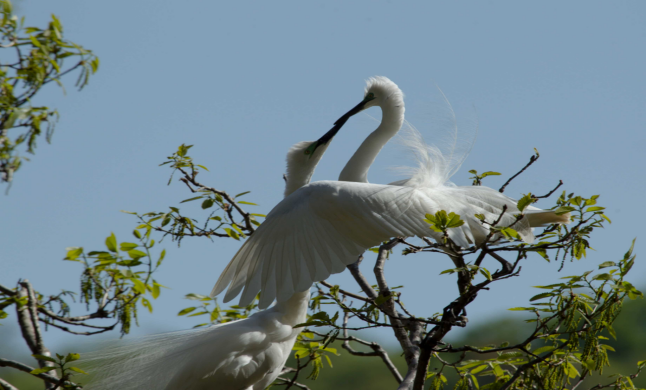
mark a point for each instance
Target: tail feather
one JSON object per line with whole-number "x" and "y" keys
{"x": 545, "y": 217}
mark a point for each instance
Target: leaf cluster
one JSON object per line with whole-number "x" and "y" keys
{"x": 38, "y": 57}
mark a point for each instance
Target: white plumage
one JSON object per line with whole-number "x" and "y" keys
{"x": 324, "y": 226}
{"x": 248, "y": 354}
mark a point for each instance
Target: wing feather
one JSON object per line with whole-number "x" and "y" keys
{"x": 324, "y": 226}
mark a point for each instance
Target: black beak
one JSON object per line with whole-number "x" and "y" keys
{"x": 352, "y": 112}
{"x": 341, "y": 121}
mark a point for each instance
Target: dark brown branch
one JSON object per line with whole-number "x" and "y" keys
{"x": 348, "y": 294}
{"x": 77, "y": 320}
{"x": 377, "y": 350}
{"x": 532, "y": 160}
{"x": 550, "y": 193}
{"x": 68, "y": 330}
{"x": 360, "y": 279}
{"x": 246, "y": 216}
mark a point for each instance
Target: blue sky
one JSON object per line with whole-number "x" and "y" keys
{"x": 243, "y": 82}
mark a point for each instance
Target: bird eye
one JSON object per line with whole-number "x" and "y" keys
{"x": 370, "y": 95}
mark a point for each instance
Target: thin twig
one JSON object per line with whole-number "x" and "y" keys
{"x": 532, "y": 160}
{"x": 349, "y": 294}
{"x": 377, "y": 350}
{"x": 551, "y": 192}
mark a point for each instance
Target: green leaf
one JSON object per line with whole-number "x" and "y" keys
{"x": 186, "y": 311}
{"x": 41, "y": 370}
{"x": 76, "y": 369}
{"x": 572, "y": 371}
{"x": 543, "y": 349}
{"x": 156, "y": 290}
{"x": 242, "y": 193}
{"x": 72, "y": 357}
{"x": 191, "y": 199}
{"x": 136, "y": 254}
{"x": 523, "y": 309}
{"x": 490, "y": 173}
{"x": 126, "y": 246}
{"x": 249, "y": 203}
{"x": 595, "y": 208}
{"x": 73, "y": 253}
{"x": 525, "y": 202}
{"x": 232, "y": 234}
{"x": 485, "y": 273}
{"x": 138, "y": 286}
{"x": 498, "y": 372}
{"x": 207, "y": 203}
{"x": 540, "y": 296}
{"x": 111, "y": 243}
{"x": 606, "y": 264}
{"x": 603, "y": 277}
{"x": 479, "y": 369}
{"x": 147, "y": 304}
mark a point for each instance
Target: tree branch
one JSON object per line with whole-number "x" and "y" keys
{"x": 4, "y": 385}
{"x": 30, "y": 327}
{"x": 532, "y": 160}
{"x": 50, "y": 379}
{"x": 377, "y": 350}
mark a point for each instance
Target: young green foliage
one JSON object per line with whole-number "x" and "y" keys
{"x": 34, "y": 57}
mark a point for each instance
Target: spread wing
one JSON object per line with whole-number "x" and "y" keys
{"x": 323, "y": 227}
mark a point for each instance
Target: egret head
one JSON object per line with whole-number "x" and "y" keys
{"x": 379, "y": 91}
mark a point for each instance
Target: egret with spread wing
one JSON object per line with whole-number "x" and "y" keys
{"x": 248, "y": 354}
{"x": 321, "y": 228}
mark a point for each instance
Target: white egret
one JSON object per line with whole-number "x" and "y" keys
{"x": 248, "y": 354}
{"x": 321, "y": 228}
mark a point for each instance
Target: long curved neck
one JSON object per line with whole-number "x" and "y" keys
{"x": 300, "y": 167}
{"x": 294, "y": 309}
{"x": 297, "y": 178}
{"x": 357, "y": 167}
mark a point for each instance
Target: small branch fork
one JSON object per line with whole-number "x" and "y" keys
{"x": 51, "y": 381}
{"x": 408, "y": 330}
{"x": 533, "y": 158}
{"x": 190, "y": 178}
{"x": 30, "y": 328}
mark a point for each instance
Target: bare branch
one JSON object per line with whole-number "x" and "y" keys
{"x": 30, "y": 327}
{"x": 246, "y": 216}
{"x": 349, "y": 294}
{"x": 4, "y": 385}
{"x": 550, "y": 193}
{"x": 50, "y": 379}
{"x": 532, "y": 160}
{"x": 377, "y": 350}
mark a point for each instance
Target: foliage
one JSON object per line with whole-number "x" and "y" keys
{"x": 573, "y": 320}
{"x": 40, "y": 56}
{"x": 229, "y": 218}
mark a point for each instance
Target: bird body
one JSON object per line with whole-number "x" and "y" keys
{"x": 247, "y": 354}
